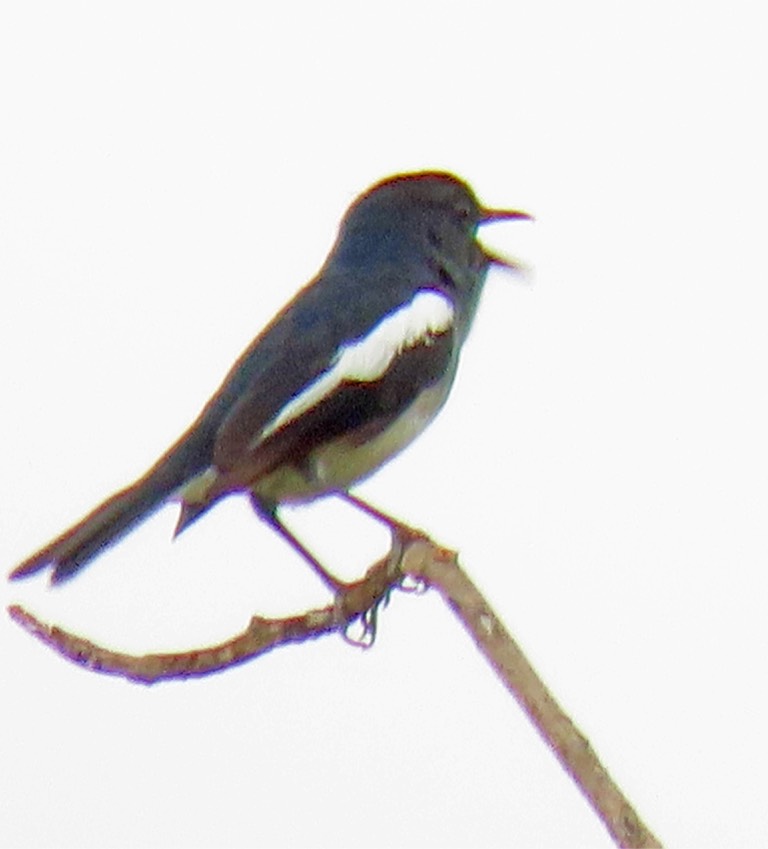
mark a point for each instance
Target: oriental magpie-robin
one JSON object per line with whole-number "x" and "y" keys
{"x": 348, "y": 374}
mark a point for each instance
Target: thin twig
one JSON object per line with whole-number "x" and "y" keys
{"x": 354, "y": 603}
{"x": 418, "y": 557}
{"x": 440, "y": 569}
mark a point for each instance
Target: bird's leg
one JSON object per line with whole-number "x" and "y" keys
{"x": 398, "y": 528}
{"x": 401, "y": 534}
{"x": 269, "y": 514}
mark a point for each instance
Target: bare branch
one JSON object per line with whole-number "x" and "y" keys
{"x": 440, "y": 569}
{"x": 413, "y": 555}
{"x": 358, "y": 601}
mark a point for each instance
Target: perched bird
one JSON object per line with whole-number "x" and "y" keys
{"x": 348, "y": 374}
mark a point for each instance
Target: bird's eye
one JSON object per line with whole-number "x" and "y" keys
{"x": 464, "y": 213}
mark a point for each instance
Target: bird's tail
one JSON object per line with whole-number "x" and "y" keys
{"x": 110, "y": 521}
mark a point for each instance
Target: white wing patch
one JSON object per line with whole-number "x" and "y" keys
{"x": 367, "y": 359}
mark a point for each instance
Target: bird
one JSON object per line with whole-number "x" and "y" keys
{"x": 348, "y": 374}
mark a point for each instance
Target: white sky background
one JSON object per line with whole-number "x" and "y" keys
{"x": 170, "y": 174}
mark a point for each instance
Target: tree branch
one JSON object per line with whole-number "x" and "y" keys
{"x": 441, "y": 570}
{"x": 415, "y": 556}
{"x": 358, "y": 601}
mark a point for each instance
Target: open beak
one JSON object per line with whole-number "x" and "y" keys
{"x": 488, "y": 216}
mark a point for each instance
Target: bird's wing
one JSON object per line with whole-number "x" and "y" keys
{"x": 308, "y": 389}
{"x": 303, "y": 343}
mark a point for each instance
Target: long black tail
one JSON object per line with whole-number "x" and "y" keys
{"x": 110, "y": 521}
